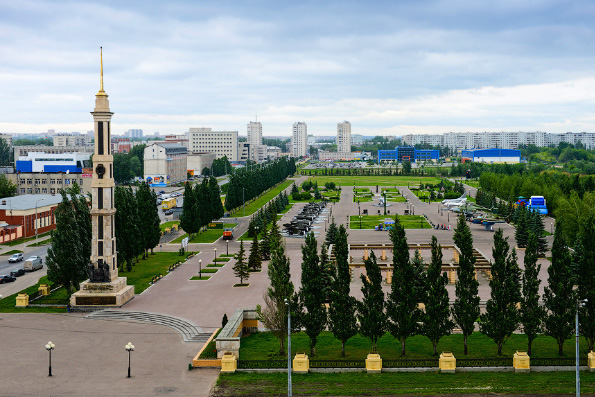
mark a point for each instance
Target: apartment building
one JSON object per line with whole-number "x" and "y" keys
{"x": 50, "y": 182}
{"x": 165, "y": 164}
{"x": 72, "y": 140}
{"x": 344, "y": 137}
{"x": 299, "y": 139}
{"x": 222, "y": 143}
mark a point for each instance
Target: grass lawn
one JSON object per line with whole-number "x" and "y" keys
{"x": 362, "y": 199}
{"x": 209, "y": 270}
{"x": 207, "y": 236}
{"x": 408, "y": 221}
{"x": 169, "y": 224}
{"x": 216, "y": 265}
{"x": 24, "y": 240}
{"x": 222, "y": 258}
{"x": 42, "y": 242}
{"x": 7, "y": 303}
{"x": 11, "y": 252}
{"x": 423, "y": 195}
{"x": 363, "y": 384}
{"x": 474, "y": 184}
{"x": 263, "y": 346}
{"x": 142, "y": 272}
{"x": 200, "y": 278}
{"x": 263, "y": 199}
{"x": 374, "y": 180}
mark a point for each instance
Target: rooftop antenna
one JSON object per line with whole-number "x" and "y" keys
{"x": 256, "y": 118}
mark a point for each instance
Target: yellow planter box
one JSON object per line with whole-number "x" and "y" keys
{"x": 44, "y": 289}
{"x": 22, "y": 300}
{"x": 229, "y": 363}
{"x": 301, "y": 363}
{"x": 521, "y": 362}
{"x": 374, "y": 363}
{"x": 591, "y": 361}
{"x": 447, "y": 363}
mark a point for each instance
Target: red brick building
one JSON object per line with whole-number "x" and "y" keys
{"x": 31, "y": 211}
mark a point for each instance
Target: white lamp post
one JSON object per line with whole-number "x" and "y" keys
{"x": 129, "y": 348}
{"x": 215, "y": 260}
{"x": 200, "y": 268}
{"x": 49, "y": 347}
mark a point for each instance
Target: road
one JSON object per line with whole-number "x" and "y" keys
{"x": 30, "y": 278}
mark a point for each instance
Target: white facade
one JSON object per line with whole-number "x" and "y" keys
{"x": 254, "y": 129}
{"x": 40, "y": 160}
{"x": 196, "y": 162}
{"x": 243, "y": 151}
{"x": 165, "y": 163}
{"x": 222, "y": 143}
{"x": 72, "y": 140}
{"x": 134, "y": 133}
{"x": 344, "y": 137}
{"x": 299, "y": 139}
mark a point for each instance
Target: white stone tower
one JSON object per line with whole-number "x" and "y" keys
{"x": 104, "y": 287}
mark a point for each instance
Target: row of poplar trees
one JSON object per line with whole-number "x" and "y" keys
{"x": 244, "y": 186}
{"x": 136, "y": 229}
{"x": 514, "y": 301}
{"x": 202, "y": 205}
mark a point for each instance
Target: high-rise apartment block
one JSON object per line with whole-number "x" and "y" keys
{"x": 222, "y": 143}
{"x": 72, "y": 140}
{"x": 299, "y": 139}
{"x": 257, "y": 149}
{"x": 344, "y": 137}
{"x": 134, "y": 133}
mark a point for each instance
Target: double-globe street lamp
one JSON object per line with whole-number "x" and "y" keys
{"x": 129, "y": 348}
{"x": 49, "y": 347}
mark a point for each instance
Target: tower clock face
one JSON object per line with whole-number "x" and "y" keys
{"x": 100, "y": 169}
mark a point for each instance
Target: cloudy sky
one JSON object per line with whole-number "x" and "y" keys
{"x": 389, "y": 67}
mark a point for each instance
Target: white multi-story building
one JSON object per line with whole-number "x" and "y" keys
{"x": 134, "y": 133}
{"x": 344, "y": 137}
{"x": 299, "y": 139}
{"x": 222, "y": 143}
{"x": 7, "y": 138}
{"x": 255, "y": 133}
{"x": 165, "y": 163}
{"x": 72, "y": 140}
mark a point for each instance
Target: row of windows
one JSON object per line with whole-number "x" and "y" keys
{"x": 38, "y": 190}
{"x": 52, "y": 181}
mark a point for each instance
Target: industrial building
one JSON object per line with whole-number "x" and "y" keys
{"x": 408, "y": 153}
{"x": 496, "y": 155}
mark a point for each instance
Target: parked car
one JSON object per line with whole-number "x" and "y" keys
{"x": 33, "y": 263}
{"x": 17, "y": 272}
{"x": 6, "y": 279}
{"x": 169, "y": 212}
{"x": 14, "y": 258}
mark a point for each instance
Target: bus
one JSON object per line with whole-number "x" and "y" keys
{"x": 168, "y": 203}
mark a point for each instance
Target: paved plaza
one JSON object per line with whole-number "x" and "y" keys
{"x": 90, "y": 358}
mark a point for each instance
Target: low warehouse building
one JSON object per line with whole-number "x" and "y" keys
{"x": 492, "y": 156}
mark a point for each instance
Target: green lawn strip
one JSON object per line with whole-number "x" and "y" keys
{"x": 7, "y": 304}
{"x": 370, "y": 221}
{"x": 395, "y": 199}
{"x": 43, "y": 242}
{"x": 169, "y": 224}
{"x": 474, "y": 184}
{"x": 209, "y": 270}
{"x": 227, "y": 256}
{"x": 244, "y": 237}
{"x": 206, "y": 236}
{"x": 221, "y": 258}
{"x": 264, "y": 346}
{"x": 11, "y": 252}
{"x": 146, "y": 269}
{"x": 200, "y": 278}
{"x": 374, "y": 180}
{"x": 24, "y": 240}
{"x": 292, "y": 201}
{"x": 411, "y": 383}
{"x": 263, "y": 199}
{"x": 210, "y": 351}
{"x": 216, "y": 265}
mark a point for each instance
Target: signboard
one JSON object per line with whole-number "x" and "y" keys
{"x": 185, "y": 242}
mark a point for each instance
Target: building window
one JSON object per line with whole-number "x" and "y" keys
{"x": 37, "y": 190}
{"x": 52, "y": 191}
{"x": 29, "y": 181}
{"x": 44, "y": 181}
{"x": 23, "y": 190}
{"x": 44, "y": 190}
{"x": 29, "y": 190}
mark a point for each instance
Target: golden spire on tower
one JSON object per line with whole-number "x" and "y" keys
{"x": 101, "y": 91}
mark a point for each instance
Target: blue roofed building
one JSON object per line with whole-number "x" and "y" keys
{"x": 492, "y": 156}
{"x": 408, "y": 153}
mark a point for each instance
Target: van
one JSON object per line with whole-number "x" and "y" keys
{"x": 33, "y": 263}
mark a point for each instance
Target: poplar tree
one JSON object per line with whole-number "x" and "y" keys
{"x": 149, "y": 221}
{"x": 240, "y": 268}
{"x": 501, "y": 316}
{"x": 265, "y": 244}
{"x": 586, "y": 278}
{"x": 188, "y": 219}
{"x": 255, "y": 258}
{"x": 538, "y": 228}
{"x": 216, "y": 205}
{"x": 559, "y": 298}
{"x": 311, "y": 295}
{"x": 343, "y": 306}
{"x": 331, "y": 232}
{"x": 522, "y": 226}
{"x": 419, "y": 275}
{"x": 531, "y": 313}
{"x": 401, "y": 304}
{"x": 66, "y": 258}
{"x": 436, "y": 321}
{"x": 465, "y": 310}
{"x": 371, "y": 314}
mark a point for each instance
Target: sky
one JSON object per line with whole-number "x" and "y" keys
{"x": 388, "y": 67}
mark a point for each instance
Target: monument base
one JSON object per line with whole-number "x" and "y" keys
{"x": 113, "y": 294}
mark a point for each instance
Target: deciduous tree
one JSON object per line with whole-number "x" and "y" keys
{"x": 531, "y": 313}
{"x": 371, "y": 313}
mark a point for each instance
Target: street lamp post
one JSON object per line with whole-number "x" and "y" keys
{"x": 215, "y": 260}
{"x": 129, "y": 348}
{"x": 36, "y": 217}
{"x": 579, "y": 303}
{"x": 49, "y": 347}
{"x": 227, "y": 252}
{"x": 289, "y": 393}
{"x": 200, "y": 268}
{"x": 244, "y": 199}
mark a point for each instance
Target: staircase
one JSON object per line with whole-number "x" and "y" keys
{"x": 480, "y": 260}
{"x": 189, "y": 331}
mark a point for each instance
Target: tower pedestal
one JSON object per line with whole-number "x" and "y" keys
{"x": 113, "y": 294}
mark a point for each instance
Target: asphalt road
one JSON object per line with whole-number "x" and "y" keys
{"x": 30, "y": 278}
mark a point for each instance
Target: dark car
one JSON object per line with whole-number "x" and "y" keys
{"x": 169, "y": 212}
{"x": 17, "y": 272}
{"x": 6, "y": 279}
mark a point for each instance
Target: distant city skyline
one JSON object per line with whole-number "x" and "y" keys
{"x": 390, "y": 68}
